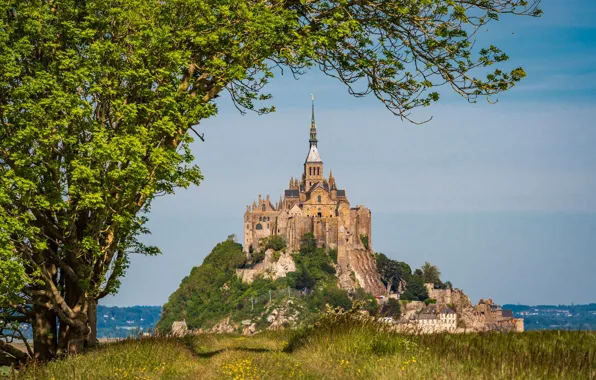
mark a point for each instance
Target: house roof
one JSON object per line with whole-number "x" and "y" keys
{"x": 432, "y": 311}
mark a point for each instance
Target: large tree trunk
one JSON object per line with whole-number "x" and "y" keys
{"x": 74, "y": 339}
{"x": 91, "y": 340}
{"x": 45, "y": 339}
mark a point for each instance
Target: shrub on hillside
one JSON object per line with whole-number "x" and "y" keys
{"x": 333, "y": 255}
{"x": 257, "y": 257}
{"x": 364, "y": 240}
{"x": 429, "y": 301}
{"x": 308, "y": 244}
{"x": 391, "y": 308}
{"x": 275, "y": 242}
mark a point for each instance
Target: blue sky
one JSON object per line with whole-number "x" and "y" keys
{"x": 501, "y": 197}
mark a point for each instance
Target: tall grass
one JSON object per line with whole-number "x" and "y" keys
{"x": 541, "y": 354}
{"x": 151, "y": 358}
{"x": 341, "y": 345}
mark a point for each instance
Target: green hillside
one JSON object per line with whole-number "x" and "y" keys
{"x": 212, "y": 292}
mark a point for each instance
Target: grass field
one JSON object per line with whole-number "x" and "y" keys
{"x": 336, "y": 348}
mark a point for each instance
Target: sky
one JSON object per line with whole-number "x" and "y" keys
{"x": 501, "y": 197}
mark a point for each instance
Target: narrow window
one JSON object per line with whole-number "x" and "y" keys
{"x": 319, "y": 199}
{"x": 263, "y": 207}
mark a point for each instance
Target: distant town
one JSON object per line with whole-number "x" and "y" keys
{"x": 561, "y": 317}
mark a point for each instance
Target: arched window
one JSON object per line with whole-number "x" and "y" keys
{"x": 319, "y": 199}
{"x": 260, "y": 218}
{"x": 259, "y": 226}
{"x": 318, "y": 171}
{"x": 309, "y": 171}
{"x": 263, "y": 207}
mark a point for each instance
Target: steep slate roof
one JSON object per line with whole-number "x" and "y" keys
{"x": 432, "y": 311}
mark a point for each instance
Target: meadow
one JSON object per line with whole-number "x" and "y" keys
{"x": 339, "y": 346}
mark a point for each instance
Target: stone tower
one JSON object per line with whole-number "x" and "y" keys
{"x": 313, "y": 166}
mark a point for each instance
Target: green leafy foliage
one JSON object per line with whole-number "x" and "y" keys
{"x": 213, "y": 292}
{"x": 308, "y": 244}
{"x": 209, "y": 291}
{"x": 275, "y": 242}
{"x": 392, "y": 271}
{"x": 431, "y": 274}
{"x": 430, "y": 301}
{"x": 391, "y": 308}
{"x": 415, "y": 289}
{"x": 257, "y": 257}
{"x": 333, "y": 255}
{"x": 364, "y": 240}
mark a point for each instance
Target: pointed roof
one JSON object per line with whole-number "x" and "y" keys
{"x": 313, "y": 153}
{"x": 313, "y": 127}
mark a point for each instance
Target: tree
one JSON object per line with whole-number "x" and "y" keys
{"x": 391, "y": 308}
{"x": 275, "y": 242}
{"x": 391, "y": 271}
{"x": 305, "y": 279}
{"x": 99, "y": 102}
{"x": 431, "y": 273}
{"x": 308, "y": 244}
{"x": 415, "y": 290}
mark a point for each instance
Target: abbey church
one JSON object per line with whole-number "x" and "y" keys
{"x": 314, "y": 204}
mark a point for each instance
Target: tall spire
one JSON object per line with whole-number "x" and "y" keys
{"x": 313, "y": 127}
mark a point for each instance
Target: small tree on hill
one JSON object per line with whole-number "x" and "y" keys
{"x": 415, "y": 290}
{"x": 431, "y": 273}
{"x": 391, "y": 271}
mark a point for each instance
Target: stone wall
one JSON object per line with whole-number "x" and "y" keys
{"x": 442, "y": 296}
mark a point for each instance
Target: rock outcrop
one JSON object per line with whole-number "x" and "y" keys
{"x": 269, "y": 268}
{"x": 283, "y": 317}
